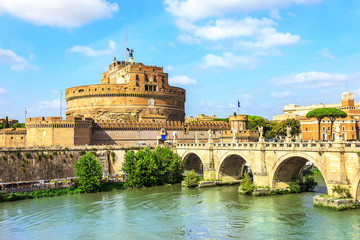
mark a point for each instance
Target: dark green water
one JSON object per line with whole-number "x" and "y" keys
{"x": 167, "y": 212}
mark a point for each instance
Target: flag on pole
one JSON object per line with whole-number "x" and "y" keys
{"x": 238, "y": 103}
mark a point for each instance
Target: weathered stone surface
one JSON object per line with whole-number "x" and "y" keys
{"x": 335, "y": 203}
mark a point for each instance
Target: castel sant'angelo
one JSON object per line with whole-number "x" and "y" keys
{"x": 133, "y": 104}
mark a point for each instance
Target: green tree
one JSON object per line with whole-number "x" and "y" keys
{"x": 6, "y": 123}
{"x": 319, "y": 114}
{"x": 149, "y": 168}
{"x": 1, "y": 126}
{"x": 18, "y": 125}
{"x": 191, "y": 179}
{"x": 247, "y": 185}
{"x": 89, "y": 173}
{"x": 294, "y": 124}
{"x": 333, "y": 114}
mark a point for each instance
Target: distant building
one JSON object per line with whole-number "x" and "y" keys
{"x": 201, "y": 117}
{"x": 349, "y": 126}
{"x": 10, "y": 121}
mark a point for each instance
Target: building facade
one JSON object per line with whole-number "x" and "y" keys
{"x": 349, "y": 126}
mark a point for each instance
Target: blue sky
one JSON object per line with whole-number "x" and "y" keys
{"x": 264, "y": 53}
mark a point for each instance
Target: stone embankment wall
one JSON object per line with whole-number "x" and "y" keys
{"x": 31, "y": 164}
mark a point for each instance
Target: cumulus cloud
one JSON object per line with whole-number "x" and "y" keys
{"x": 182, "y": 80}
{"x": 284, "y": 94}
{"x": 17, "y": 63}
{"x": 228, "y": 60}
{"x": 90, "y": 52}
{"x": 168, "y": 68}
{"x": 54, "y": 104}
{"x": 325, "y": 52}
{"x": 261, "y": 32}
{"x": 197, "y": 9}
{"x": 2, "y": 91}
{"x": 314, "y": 79}
{"x": 60, "y": 13}
{"x": 274, "y": 13}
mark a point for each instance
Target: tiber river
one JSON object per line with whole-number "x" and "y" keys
{"x": 167, "y": 212}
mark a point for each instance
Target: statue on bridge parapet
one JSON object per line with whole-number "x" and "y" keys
{"x": 210, "y": 136}
{"x": 261, "y": 132}
{"x": 197, "y": 137}
{"x": 235, "y": 135}
{"x": 288, "y": 134}
{"x": 337, "y": 132}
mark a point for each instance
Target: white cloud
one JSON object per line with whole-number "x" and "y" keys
{"x": 198, "y": 9}
{"x": 284, "y": 94}
{"x": 314, "y": 79}
{"x": 274, "y": 13}
{"x": 182, "y": 80}
{"x": 325, "y": 52}
{"x": 60, "y": 13}
{"x": 262, "y": 32}
{"x": 228, "y": 60}
{"x": 3, "y": 91}
{"x": 90, "y": 52}
{"x": 54, "y": 104}
{"x": 168, "y": 68}
{"x": 17, "y": 63}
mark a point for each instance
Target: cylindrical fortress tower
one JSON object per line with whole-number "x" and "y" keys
{"x": 128, "y": 91}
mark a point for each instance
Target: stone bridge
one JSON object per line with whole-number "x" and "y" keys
{"x": 275, "y": 164}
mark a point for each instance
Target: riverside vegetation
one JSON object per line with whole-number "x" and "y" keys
{"x": 144, "y": 168}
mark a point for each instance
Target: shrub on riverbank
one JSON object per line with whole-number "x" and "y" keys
{"x": 247, "y": 186}
{"x": 7, "y": 197}
{"x": 191, "y": 179}
{"x": 89, "y": 172}
{"x": 149, "y": 168}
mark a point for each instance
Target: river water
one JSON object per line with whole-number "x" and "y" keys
{"x": 169, "y": 212}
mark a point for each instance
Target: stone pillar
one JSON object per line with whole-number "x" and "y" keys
{"x": 209, "y": 165}
{"x": 336, "y": 171}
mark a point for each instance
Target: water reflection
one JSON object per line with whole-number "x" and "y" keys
{"x": 167, "y": 212}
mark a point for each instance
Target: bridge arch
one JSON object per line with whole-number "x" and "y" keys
{"x": 290, "y": 165}
{"x": 232, "y": 166}
{"x": 192, "y": 161}
{"x": 356, "y": 185}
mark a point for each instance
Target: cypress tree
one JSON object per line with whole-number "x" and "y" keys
{"x": 6, "y": 123}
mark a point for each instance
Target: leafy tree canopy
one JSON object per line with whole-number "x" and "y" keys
{"x": 254, "y": 117}
{"x": 318, "y": 113}
{"x": 89, "y": 173}
{"x": 18, "y": 125}
{"x": 293, "y": 123}
{"x": 149, "y": 168}
{"x": 334, "y": 113}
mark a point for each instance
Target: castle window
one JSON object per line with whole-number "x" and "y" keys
{"x": 103, "y": 89}
{"x": 154, "y": 78}
{"x": 109, "y": 89}
{"x": 305, "y": 129}
{"x": 130, "y": 100}
{"x": 150, "y": 88}
{"x": 343, "y": 128}
{"x": 22, "y": 137}
{"x": 323, "y": 128}
{"x": 81, "y": 90}
{"x": 352, "y": 128}
{"x": 137, "y": 77}
{"x": 146, "y": 78}
{"x": 137, "y": 84}
{"x": 162, "y": 79}
{"x": 95, "y": 89}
